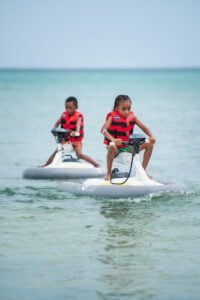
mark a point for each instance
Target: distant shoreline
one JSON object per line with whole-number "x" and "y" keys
{"x": 98, "y": 69}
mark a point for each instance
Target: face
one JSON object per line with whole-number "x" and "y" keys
{"x": 70, "y": 108}
{"x": 124, "y": 108}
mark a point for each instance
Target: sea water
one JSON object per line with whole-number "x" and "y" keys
{"x": 57, "y": 246}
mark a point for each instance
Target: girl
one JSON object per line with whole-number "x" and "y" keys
{"x": 118, "y": 127}
{"x": 73, "y": 120}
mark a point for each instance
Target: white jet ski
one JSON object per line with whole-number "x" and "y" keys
{"x": 121, "y": 185}
{"x": 64, "y": 165}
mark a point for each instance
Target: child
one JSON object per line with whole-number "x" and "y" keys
{"x": 118, "y": 127}
{"x": 73, "y": 120}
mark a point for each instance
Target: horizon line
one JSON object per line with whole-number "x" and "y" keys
{"x": 99, "y": 68}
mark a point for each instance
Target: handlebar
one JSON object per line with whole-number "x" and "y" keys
{"x": 135, "y": 141}
{"x": 57, "y": 131}
{"x": 60, "y": 134}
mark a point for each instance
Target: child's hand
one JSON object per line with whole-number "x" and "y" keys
{"x": 152, "y": 140}
{"x": 74, "y": 133}
{"x": 117, "y": 142}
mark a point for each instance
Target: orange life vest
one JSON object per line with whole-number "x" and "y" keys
{"x": 120, "y": 127}
{"x": 70, "y": 121}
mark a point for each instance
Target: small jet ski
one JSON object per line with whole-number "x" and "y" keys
{"x": 122, "y": 184}
{"x": 63, "y": 165}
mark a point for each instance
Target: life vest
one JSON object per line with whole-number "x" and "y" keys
{"x": 69, "y": 122}
{"x": 120, "y": 127}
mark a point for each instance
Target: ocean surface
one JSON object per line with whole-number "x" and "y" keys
{"x": 57, "y": 246}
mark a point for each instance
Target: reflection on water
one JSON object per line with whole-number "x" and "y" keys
{"x": 126, "y": 238}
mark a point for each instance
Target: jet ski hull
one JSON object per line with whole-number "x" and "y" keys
{"x": 62, "y": 173}
{"x": 115, "y": 191}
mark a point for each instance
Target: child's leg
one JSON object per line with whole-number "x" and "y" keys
{"x": 112, "y": 152}
{"x": 50, "y": 159}
{"x": 148, "y": 148}
{"x": 78, "y": 150}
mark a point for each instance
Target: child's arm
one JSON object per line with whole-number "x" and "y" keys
{"x": 107, "y": 134}
{"x": 58, "y": 122}
{"x": 78, "y": 127}
{"x": 145, "y": 130}
{"x": 78, "y": 124}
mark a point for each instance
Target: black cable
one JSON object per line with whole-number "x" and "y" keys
{"x": 129, "y": 173}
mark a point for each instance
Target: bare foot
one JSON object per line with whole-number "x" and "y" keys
{"x": 150, "y": 177}
{"x": 97, "y": 165}
{"x": 107, "y": 177}
{"x": 42, "y": 166}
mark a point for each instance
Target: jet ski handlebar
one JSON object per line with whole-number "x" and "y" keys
{"x": 60, "y": 134}
{"x": 135, "y": 141}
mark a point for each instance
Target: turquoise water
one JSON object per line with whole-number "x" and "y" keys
{"x": 56, "y": 246}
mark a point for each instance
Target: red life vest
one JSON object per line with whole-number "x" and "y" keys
{"x": 120, "y": 127}
{"x": 70, "y": 121}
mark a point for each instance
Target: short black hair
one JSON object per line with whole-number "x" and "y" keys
{"x": 72, "y": 99}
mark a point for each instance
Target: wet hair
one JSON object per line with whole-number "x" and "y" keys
{"x": 120, "y": 99}
{"x": 72, "y": 99}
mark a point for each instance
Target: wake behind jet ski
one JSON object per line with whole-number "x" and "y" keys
{"x": 121, "y": 185}
{"x": 63, "y": 165}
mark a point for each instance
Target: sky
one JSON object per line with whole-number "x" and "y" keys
{"x": 99, "y": 33}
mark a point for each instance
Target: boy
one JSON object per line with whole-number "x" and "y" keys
{"x": 73, "y": 120}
